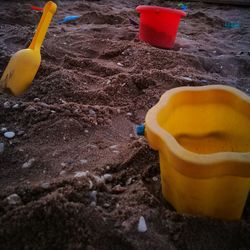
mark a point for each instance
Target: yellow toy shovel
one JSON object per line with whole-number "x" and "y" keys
{"x": 25, "y": 63}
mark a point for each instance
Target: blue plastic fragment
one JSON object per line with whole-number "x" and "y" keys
{"x": 68, "y": 19}
{"x": 182, "y": 6}
{"x": 232, "y": 25}
{"x": 140, "y": 129}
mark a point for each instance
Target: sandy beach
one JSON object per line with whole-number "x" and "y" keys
{"x": 81, "y": 176}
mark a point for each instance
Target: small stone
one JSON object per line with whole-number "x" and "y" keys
{"x": 99, "y": 180}
{"x": 14, "y": 199}
{"x": 15, "y": 106}
{"x": 129, "y": 181}
{"x": 106, "y": 205}
{"x": 37, "y": 99}
{"x": 90, "y": 184}
{"x": 86, "y": 131}
{"x": 116, "y": 151}
{"x": 131, "y": 136}
{"x": 83, "y": 161}
{"x": 3, "y": 130}
{"x": 120, "y": 64}
{"x": 9, "y": 134}
{"x": 63, "y": 164}
{"x": 63, "y": 172}
{"x": 92, "y": 195}
{"x": 129, "y": 114}
{"x": 92, "y": 112}
{"x": 107, "y": 177}
{"x": 186, "y": 78}
{"x": 29, "y": 163}
{"x": 155, "y": 178}
{"x": 108, "y": 82}
{"x": 204, "y": 81}
{"x": 81, "y": 174}
{"x": 45, "y": 185}
{"x": 7, "y": 105}
{"x": 113, "y": 146}
{"x": 1, "y": 147}
{"x": 30, "y": 109}
{"x": 142, "y": 227}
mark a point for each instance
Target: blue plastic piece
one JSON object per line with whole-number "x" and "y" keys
{"x": 182, "y": 6}
{"x": 232, "y": 25}
{"x": 140, "y": 129}
{"x": 68, "y": 19}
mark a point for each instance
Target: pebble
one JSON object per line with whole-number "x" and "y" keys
{"x": 1, "y": 147}
{"x": 3, "y": 130}
{"x": 9, "y": 134}
{"x": 129, "y": 114}
{"x": 14, "y": 199}
{"x": 15, "y": 106}
{"x": 131, "y": 136}
{"x": 92, "y": 112}
{"x": 83, "y": 161}
{"x": 142, "y": 227}
{"x": 113, "y": 146}
{"x": 106, "y": 205}
{"x": 37, "y": 99}
{"x": 155, "y": 178}
{"x": 86, "y": 131}
{"x": 116, "y": 151}
{"x": 107, "y": 177}
{"x": 45, "y": 185}
{"x": 108, "y": 82}
{"x": 92, "y": 195}
{"x": 186, "y": 78}
{"x": 28, "y": 163}
{"x": 63, "y": 172}
{"x": 81, "y": 174}
{"x": 7, "y": 105}
{"x": 204, "y": 81}
{"x": 90, "y": 184}
{"x": 120, "y": 64}
{"x": 129, "y": 181}
{"x": 99, "y": 180}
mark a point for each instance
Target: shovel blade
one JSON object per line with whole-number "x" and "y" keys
{"x": 20, "y": 71}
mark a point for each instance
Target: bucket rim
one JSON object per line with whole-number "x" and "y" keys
{"x": 191, "y": 159}
{"x": 158, "y": 8}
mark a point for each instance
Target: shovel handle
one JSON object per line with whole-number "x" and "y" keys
{"x": 48, "y": 12}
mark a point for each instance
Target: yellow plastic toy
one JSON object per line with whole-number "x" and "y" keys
{"x": 25, "y": 63}
{"x": 203, "y": 138}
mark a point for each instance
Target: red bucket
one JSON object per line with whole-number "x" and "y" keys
{"x": 158, "y": 25}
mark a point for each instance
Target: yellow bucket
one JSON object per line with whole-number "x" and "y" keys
{"x": 203, "y": 138}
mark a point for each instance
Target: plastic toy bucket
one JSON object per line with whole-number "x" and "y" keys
{"x": 158, "y": 25}
{"x": 202, "y": 135}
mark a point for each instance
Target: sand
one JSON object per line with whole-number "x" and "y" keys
{"x": 95, "y": 84}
